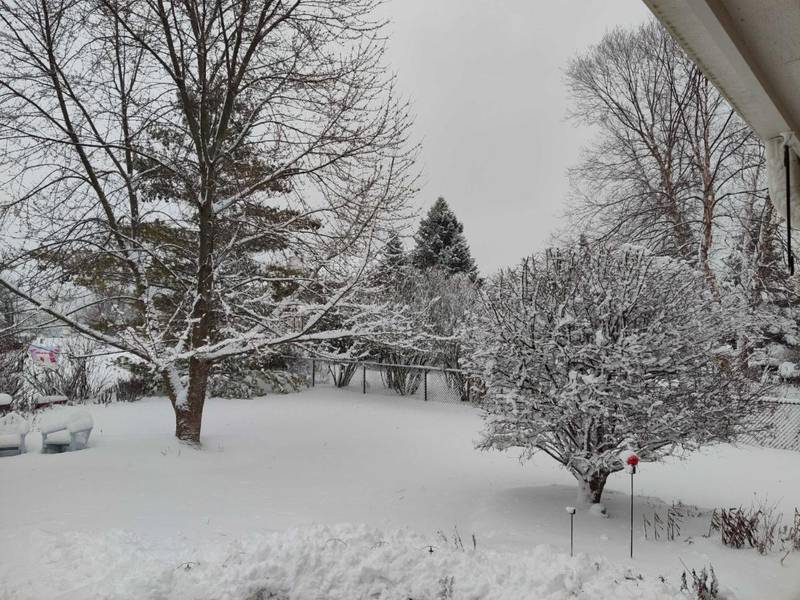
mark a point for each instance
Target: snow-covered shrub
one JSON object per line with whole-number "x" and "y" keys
{"x": 85, "y": 371}
{"x": 446, "y": 588}
{"x": 342, "y": 373}
{"x": 12, "y": 347}
{"x": 442, "y": 302}
{"x": 255, "y": 375}
{"x": 399, "y": 374}
{"x": 282, "y": 382}
{"x": 11, "y": 373}
{"x": 139, "y": 380}
{"x": 241, "y": 384}
{"x": 435, "y": 300}
{"x": 590, "y": 351}
{"x": 133, "y": 389}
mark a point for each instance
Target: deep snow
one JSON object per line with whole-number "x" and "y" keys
{"x": 138, "y": 515}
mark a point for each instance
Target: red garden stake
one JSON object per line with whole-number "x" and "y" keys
{"x": 632, "y": 461}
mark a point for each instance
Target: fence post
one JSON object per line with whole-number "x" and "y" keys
{"x": 469, "y": 381}
{"x": 363, "y": 379}
{"x": 313, "y": 372}
{"x": 425, "y": 383}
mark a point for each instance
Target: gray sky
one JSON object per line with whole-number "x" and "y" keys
{"x": 486, "y": 81}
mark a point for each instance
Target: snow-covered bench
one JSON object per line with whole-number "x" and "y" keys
{"x": 65, "y": 429}
{"x": 13, "y": 429}
{"x": 47, "y": 401}
{"x": 5, "y": 403}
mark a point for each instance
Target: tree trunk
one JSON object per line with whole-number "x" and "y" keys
{"x": 705, "y": 247}
{"x": 590, "y": 487}
{"x": 189, "y": 413}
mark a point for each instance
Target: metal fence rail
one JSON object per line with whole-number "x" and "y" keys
{"x": 781, "y": 421}
{"x": 423, "y": 382}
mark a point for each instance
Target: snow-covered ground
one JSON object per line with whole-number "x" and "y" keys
{"x": 264, "y": 508}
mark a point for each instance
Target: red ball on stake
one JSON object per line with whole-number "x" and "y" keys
{"x": 632, "y": 460}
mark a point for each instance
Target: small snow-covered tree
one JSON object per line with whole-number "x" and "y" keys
{"x": 442, "y": 302}
{"x": 440, "y": 243}
{"x": 590, "y": 351}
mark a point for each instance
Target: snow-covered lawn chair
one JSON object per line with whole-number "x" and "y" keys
{"x": 5, "y": 403}
{"x": 13, "y": 429}
{"x": 65, "y": 429}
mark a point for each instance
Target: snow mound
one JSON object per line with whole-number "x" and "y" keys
{"x": 5, "y": 400}
{"x": 788, "y": 370}
{"x": 342, "y": 562}
{"x": 68, "y": 418}
{"x": 14, "y": 423}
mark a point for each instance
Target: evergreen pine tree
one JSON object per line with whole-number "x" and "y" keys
{"x": 394, "y": 254}
{"x": 390, "y": 270}
{"x": 440, "y": 242}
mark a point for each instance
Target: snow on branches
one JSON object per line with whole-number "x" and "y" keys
{"x": 588, "y": 351}
{"x": 215, "y": 195}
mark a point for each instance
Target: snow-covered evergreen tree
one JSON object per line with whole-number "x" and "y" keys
{"x": 391, "y": 264}
{"x": 440, "y": 243}
{"x": 591, "y": 351}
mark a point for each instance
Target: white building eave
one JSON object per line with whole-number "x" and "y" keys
{"x": 750, "y": 49}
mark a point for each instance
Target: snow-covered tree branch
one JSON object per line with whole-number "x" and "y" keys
{"x": 215, "y": 176}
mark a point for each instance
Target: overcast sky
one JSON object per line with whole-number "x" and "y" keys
{"x": 486, "y": 81}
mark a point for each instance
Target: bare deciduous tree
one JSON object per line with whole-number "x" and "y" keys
{"x": 672, "y": 159}
{"x": 214, "y": 175}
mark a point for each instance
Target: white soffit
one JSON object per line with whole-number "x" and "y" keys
{"x": 750, "y": 49}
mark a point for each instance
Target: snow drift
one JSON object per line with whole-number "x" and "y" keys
{"x": 343, "y": 562}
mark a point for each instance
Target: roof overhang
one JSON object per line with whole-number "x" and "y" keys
{"x": 750, "y": 49}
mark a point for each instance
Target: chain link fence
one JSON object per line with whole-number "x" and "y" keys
{"x": 422, "y": 382}
{"x": 780, "y": 421}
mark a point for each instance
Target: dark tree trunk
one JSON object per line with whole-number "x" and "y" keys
{"x": 591, "y": 486}
{"x": 189, "y": 414}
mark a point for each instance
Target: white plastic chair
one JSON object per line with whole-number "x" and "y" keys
{"x": 13, "y": 429}
{"x": 65, "y": 429}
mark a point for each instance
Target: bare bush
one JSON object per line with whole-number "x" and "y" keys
{"x": 703, "y": 586}
{"x": 82, "y": 373}
{"x": 793, "y": 533}
{"x": 756, "y": 527}
{"x": 402, "y": 376}
{"x": 342, "y": 373}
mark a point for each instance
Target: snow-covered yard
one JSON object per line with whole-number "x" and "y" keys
{"x": 331, "y": 494}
